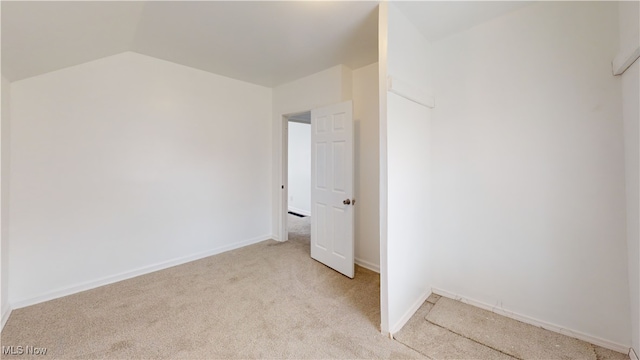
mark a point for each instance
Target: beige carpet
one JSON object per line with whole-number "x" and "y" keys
{"x": 447, "y": 329}
{"x": 268, "y": 300}
{"x": 299, "y": 228}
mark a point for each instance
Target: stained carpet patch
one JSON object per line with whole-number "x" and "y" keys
{"x": 439, "y": 343}
{"x": 509, "y": 336}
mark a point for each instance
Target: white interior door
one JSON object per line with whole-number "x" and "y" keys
{"x": 332, "y": 187}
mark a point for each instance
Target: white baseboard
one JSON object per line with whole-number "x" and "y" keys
{"x": 535, "y": 322}
{"x": 6, "y": 312}
{"x": 73, "y": 289}
{"x": 368, "y": 265}
{"x": 410, "y": 312}
{"x": 299, "y": 211}
{"x": 633, "y": 355}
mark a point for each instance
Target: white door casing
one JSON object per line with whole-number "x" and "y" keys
{"x": 332, "y": 203}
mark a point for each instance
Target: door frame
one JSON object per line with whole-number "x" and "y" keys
{"x": 284, "y": 188}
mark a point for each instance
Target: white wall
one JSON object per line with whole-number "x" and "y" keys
{"x": 629, "y": 15}
{"x": 528, "y": 169}
{"x": 4, "y": 200}
{"x": 299, "y": 149}
{"x": 367, "y": 170}
{"x": 128, "y": 164}
{"x": 407, "y": 132}
{"x": 323, "y": 88}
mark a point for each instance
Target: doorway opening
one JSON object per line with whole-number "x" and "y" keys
{"x": 331, "y": 187}
{"x": 297, "y": 167}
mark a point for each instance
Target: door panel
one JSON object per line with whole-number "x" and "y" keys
{"x": 332, "y": 240}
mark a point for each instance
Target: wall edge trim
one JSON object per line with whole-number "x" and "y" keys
{"x": 409, "y": 313}
{"x": 6, "y": 313}
{"x": 536, "y": 322}
{"x": 367, "y": 265}
{"x": 299, "y": 211}
{"x": 92, "y": 284}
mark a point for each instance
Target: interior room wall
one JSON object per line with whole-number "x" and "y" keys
{"x": 4, "y": 200}
{"x": 629, "y": 21}
{"x": 129, "y": 164}
{"x": 528, "y": 169}
{"x": 408, "y": 140}
{"x": 299, "y": 150}
{"x": 366, "y": 131}
{"x": 326, "y": 87}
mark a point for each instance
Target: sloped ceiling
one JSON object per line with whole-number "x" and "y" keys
{"x": 263, "y": 42}
{"x": 439, "y": 19}
{"x": 266, "y": 43}
{"x": 38, "y": 37}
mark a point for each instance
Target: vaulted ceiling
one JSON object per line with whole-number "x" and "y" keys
{"x": 266, "y": 43}
{"x": 262, "y": 42}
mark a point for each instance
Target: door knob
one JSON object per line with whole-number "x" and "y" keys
{"x": 346, "y": 202}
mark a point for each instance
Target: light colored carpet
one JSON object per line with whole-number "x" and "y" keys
{"x": 466, "y": 329}
{"x": 299, "y": 228}
{"x": 439, "y": 343}
{"x": 268, "y": 300}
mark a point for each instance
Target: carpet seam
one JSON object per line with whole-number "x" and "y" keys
{"x": 475, "y": 341}
{"x": 595, "y": 353}
{"x": 416, "y": 350}
{"x": 429, "y": 357}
